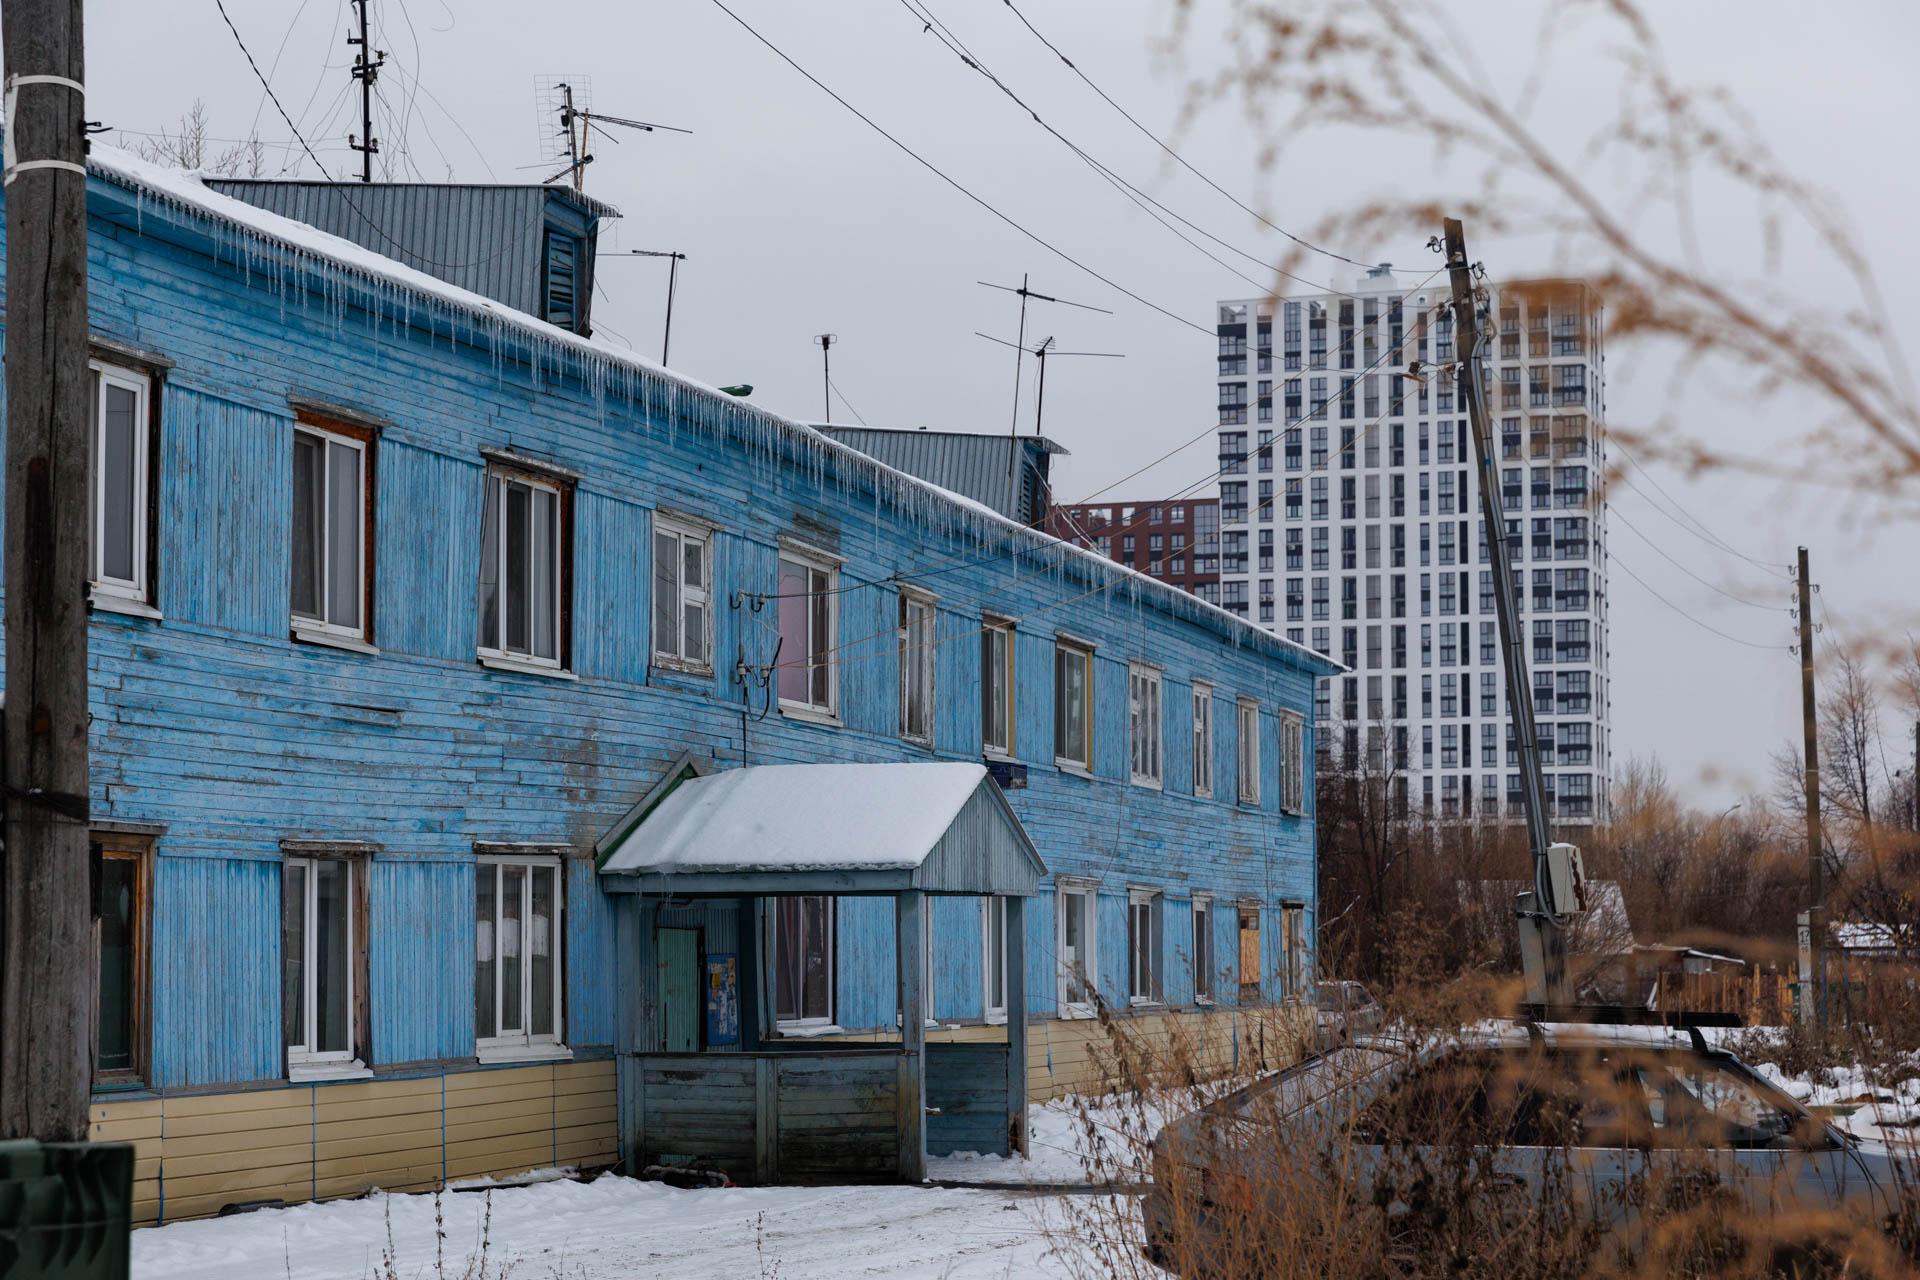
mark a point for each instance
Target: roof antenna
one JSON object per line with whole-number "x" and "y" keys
{"x": 569, "y": 100}
{"x": 1020, "y": 351}
{"x": 366, "y": 70}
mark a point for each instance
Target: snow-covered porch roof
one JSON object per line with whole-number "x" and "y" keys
{"x": 823, "y": 829}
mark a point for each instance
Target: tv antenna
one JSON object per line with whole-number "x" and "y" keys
{"x": 570, "y": 99}
{"x": 1020, "y": 347}
{"x": 1041, "y": 351}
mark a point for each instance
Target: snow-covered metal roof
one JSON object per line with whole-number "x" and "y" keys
{"x": 826, "y": 828}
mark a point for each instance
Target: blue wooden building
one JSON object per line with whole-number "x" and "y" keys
{"x": 412, "y": 614}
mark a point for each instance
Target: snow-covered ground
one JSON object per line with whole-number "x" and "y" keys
{"x": 621, "y": 1227}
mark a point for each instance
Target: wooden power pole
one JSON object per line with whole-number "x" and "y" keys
{"x": 46, "y": 940}
{"x": 1812, "y": 976}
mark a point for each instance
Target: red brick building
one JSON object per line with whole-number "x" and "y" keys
{"x": 1176, "y": 541}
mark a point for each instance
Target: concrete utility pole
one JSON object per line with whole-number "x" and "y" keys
{"x": 1813, "y": 976}
{"x": 1541, "y": 911}
{"x": 46, "y": 938}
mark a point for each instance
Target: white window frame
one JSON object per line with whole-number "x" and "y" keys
{"x": 1247, "y": 750}
{"x": 302, "y": 1062}
{"x": 523, "y": 1044}
{"x": 1146, "y": 726}
{"x": 917, "y": 663}
{"x": 137, "y": 588}
{"x": 1074, "y": 764}
{"x": 1004, "y": 628}
{"x": 1145, "y": 907}
{"x": 1293, "y": 947}
{"x": 1090, "y": 963}
{"x": 1202, "y": 931}
{"x": 498, "y": 477}
{"x": 993, "y": 911}
{"x": 1293, "y": 762}
{"x": 1202, "y": 739}
{"x": 817, "y": 1024}
{"x": 683, "y": 532}
{"x": 321, "y": 626}
{"x": 814, "y": 562}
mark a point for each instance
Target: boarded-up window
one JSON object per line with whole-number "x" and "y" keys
{"x": 1249, "y": 954}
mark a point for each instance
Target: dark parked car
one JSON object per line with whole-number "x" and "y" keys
{"x": 1588, "y": 1115}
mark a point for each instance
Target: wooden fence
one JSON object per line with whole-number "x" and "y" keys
{"x": 1857, "y": 993}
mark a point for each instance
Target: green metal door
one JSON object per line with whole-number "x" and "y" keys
{"x": 681, "y": 1014}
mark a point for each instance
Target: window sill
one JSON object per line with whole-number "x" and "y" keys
{"x": 101, "y": 602}
{"x": 1076, "y": 1012}
{"x": 666, "y": 664}
{"x": 306, "y": 635}
{"x": 1151, "y": 784}
{"x": 1145, "y": 1002}
{"x": 490, "y": 1054}
{"x": 498, "y": 662}
{"x": 811, "y": 715}
{"x": 1203, "y": 1002}
{"x": 807, "y": 1031}
{"x": 319, "y": 1072}
{"x": 995, "y": 753}
{"x": 1073, "y": 767}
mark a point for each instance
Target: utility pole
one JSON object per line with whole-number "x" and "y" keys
{"x": 1541, "y": 912}
{"x": 46, "y": 908}
{"x": 1812, "y": 973}
{"x": 825, "y": 342}
{"x": 366, "y": 71}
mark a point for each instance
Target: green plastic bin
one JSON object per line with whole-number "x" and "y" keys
{"x": 66, "y": 1209}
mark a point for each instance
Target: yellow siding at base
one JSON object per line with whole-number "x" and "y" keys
{"x": 194, "y": 1155}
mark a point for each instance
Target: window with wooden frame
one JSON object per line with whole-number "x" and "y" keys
{"x": 526, "y": 538}
{"x": 1202, "y": 949}
{"x": 682, "y": 594}
{"x": 1202, "y": 739}
{"x": 809, "y": 621}
{"x": 918, "y": 623}
{"x": 1293, "y": 939}
{"x": 1145, "y": 931}
{"x": 1249, "y": 953}
{"x": 993, "y": 957}
{"x": 1073, "y": 706}
{"x": 122, "y": 912}
{"x": 518, "y": 966}
{"x": 1143, "y": 724}
{"x": 996, "y": 687}
{"x": 323, "y": 960}
{"x": 802, "y": 941}
{"x": 332, "y": 535}
{"x": 1247, "y": 750}
{"x": 1293, "y": 762}
{"x": 1074, "y": 944}
{"x": 121, "y": 485}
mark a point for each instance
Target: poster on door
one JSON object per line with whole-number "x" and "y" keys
{"x": 723, "y": 999}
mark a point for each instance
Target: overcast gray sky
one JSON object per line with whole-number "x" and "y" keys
{"x": 797, "y": 219}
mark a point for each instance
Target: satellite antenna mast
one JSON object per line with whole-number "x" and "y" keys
{"x": 569, "y": 100}
{"x": 366, "y": 70}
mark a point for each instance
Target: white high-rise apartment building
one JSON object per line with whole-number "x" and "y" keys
{"x": 1350, "y": 522}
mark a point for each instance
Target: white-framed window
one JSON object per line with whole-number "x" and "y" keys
{"x": 802, "y": 929}
{"x": 1075, "y": 946}
{"x": 1202, "y": 949}
{"x": 1202, "y": 739}
{"x": 121, "y": 485}
{"x": 331, "y": 552}
{"x": 1247, "y": 750}
{"x": 993, "y": 957}
{"x": 1144, "y": 724}
{"x": 517, "y": 963}
{"x": 1145, "y": 932}
{"x": 322, "y": 963}
{"x": 1293, "y": 940}
{"x": 1293, "y": 762}
{"x": 809, "y": 619}
{"x": 1073, "y": 705}
{"x": 523, "y": 583}
{"x": 1249, "y": 934}
{"x": 996, "y": 687}
{"x": 682, "y": 595}
{"x": 918, "y": 620}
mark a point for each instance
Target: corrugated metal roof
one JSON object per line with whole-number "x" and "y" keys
{"x": 483, "y": 238}
{"x": 977, "y": 466}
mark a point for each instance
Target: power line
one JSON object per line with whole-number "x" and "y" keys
{"x": 1702, "y": 532}
{"x": 1164, "y": 146}
{"x": 1613, "y": 556}
{"x": 843, "y": 400}
{"x": 1751, "y": 604}
{"x": 930, "y": 167}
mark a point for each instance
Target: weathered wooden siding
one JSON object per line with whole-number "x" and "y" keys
{"x": 420, "y": 941}
{"x": 967, "y": 1096}
{"x": 196, "y": 1154}
{"x": 226, "y": 483}
{"x": 216, "y": 975}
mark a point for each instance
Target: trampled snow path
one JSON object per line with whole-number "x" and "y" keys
{"x": 619, "y": 1227}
